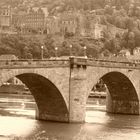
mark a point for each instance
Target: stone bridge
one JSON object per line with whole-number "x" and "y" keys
{"x": 61, "y": 87}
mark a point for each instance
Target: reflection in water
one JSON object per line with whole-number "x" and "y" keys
{"x": 22, "y": 111}
{"x": 17, "y": 122}
{"x": 91, "y": 117}
{"x": 16, "y": 125}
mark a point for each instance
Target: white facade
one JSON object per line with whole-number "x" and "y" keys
{"x": 136, "y": 51}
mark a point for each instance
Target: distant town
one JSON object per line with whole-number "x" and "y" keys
{"x": 104, "y": 28}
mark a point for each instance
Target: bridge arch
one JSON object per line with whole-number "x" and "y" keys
{"x": 122, "y": 96}
{"x": 51, "y": 103}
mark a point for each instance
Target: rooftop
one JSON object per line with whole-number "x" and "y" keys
{"x": 8, "y": 57}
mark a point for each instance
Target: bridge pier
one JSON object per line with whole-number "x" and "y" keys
{"x": 77, "y": 99}
{"x": 122, "y": 106}
{"x": 42, "y": 114}
{"x": 48, "y": 117}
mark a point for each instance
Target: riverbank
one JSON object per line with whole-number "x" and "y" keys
{"x": 97, "y": 94}
{"x": 17, "y": 96}
{"x": 14, "y": 89}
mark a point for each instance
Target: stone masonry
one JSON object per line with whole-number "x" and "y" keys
{"x": 61, "y": 87}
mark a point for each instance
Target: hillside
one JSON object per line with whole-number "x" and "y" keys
{"x": 62, "y": 5}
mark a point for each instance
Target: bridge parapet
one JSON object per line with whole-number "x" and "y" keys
{"x": 73, "y": 61}
{"x": 81, "y": 61}
{"x": 110, "y": 64}
{"x": 34, "y": 63}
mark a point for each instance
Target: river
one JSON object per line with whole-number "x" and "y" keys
{"x": 17, "y": 122}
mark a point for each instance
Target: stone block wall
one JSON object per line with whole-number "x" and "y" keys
{"x": 78, "y": 90}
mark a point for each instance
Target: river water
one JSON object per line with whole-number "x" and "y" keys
{"x": 17, "y": 122}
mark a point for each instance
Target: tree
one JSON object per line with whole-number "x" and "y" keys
{"x": 27, "y": 53}
{"x": 129, "y": 41}
{"x": 137, "y": 37}
{"x": 49, "y": 46}
{"x": 22, "y": 47}
{"x": 108, "y": 10}
{"x": 129, "y": 23}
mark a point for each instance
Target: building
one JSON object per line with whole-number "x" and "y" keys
{"x": 68, "y": 22}
{"x": 31, "y": 22}
{"x": 124, "y": 53}
{"x": 98, "y": 31}
{"x": 15, "y": 81}
{"x": 5, "y": 18}
{"x": 133, "y": 58}
{"x": 113, "y": 30}
{"x": 17, "y": 19}
{"x": 37, "y": 21}
{"x": 8, "y": 57}
{"x": 91, "y": 27}
{"x": 52, "y": 25}
{"x": 136, "y": 51}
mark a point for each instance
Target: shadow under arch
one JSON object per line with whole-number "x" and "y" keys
{"x": 50, "y": 103}
{"x": 121, "y": 97}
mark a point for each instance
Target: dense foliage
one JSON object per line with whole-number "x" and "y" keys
{"x": 30, "y": 46}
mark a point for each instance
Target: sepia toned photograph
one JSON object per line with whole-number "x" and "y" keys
{"x": 69, "y": 69}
